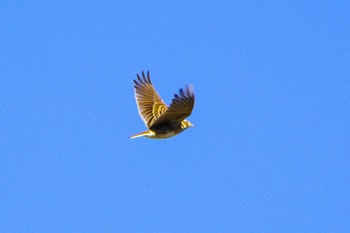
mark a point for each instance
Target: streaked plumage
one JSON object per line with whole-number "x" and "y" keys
{"x": 162, "y": 121}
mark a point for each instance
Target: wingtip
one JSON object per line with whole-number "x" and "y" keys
{"x": 148, "y": 77}
{"x": 190, "y": 90}
{"x": 144, "y": 78}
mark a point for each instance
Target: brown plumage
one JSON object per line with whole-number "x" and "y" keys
{"x": 162, "y": 121}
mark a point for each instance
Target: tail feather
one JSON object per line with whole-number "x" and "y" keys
{"x": 142, "y": 134}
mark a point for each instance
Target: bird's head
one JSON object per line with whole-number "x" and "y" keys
{"x": 185, "y": 124}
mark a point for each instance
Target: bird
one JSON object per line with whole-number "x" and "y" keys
{"x": 161, "y": 120}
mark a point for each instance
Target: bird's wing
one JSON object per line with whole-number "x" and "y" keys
{"x": 180, "y": 108}
{"x": 149, "y": 103}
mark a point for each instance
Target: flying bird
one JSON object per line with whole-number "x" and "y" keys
{"x": 162, "y": 121}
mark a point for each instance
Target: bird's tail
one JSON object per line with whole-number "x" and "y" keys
{"x": 145, "y": 133}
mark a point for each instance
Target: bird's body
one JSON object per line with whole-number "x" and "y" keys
{"x": 164, "y": 131}
{"x": 162, "y": 121}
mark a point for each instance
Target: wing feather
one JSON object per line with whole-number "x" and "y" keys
{"x": 179, "y": 109}
{"x": 149, "y": 103}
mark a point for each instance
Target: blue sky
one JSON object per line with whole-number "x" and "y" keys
{"x": 270, "y": 148}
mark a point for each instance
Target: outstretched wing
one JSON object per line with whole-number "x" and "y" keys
{"x": 179, "y": 109}
{"x": 149, "y": 103}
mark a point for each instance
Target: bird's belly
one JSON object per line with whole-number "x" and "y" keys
{"x": 162, "y": 135}
{"x": 165, "y": 131}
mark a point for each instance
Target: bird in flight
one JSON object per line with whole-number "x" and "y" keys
{"x": 162, "y": 121}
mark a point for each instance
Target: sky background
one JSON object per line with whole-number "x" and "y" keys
{"x": 270, "y": 150}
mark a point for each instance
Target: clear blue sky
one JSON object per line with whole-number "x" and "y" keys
{"x": 270, "y": 150}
